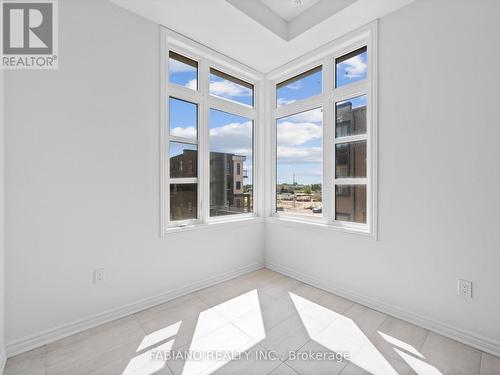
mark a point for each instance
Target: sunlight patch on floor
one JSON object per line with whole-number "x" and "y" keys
{"x": 143, "y": 364}
{"x": 227, "y": 341}
{"x": 417, "y": 365}
{"x": 340, "y": 334}
{"x": 159, "y": 336}
{"x": 400, "y": 344}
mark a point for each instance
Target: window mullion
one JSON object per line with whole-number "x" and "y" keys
{"x": 184, "y": 93}
{"x": 204, "y": 153}
{"x": 349, "y": 91}
{"x": 328, "y": 133}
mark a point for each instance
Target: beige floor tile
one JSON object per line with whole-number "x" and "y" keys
{"x": 98, "y": 345}
{"x": 366, "y": 319}
{"x": 173, "y": 310}
{"x": 183, "y": 330}
{"x": 289, "y": 335}
{"x": 33, "y": 362}
{"x": 254, "y": 361}
{"x": 490, "y": 365}
{"x": 260, "y": 278}
{"x": 280, "y": 287}
{"x": 370, "y": 359}
{"x": 137, "y": 363}
{"x": 275, "y": 310}
{"x": 211, "y": 351}
{"x": 399, "y": 367}
{"x": 79, "y": 364}
{"x": 240, "y": 305}
{"x": 258, "y": 312}
{"x": 352, "y": 369}
{"x": 449, "y": 356}
{"x": 284, "y": 369}
{"x": 314, "y": 359}
{"x": 335, "y": 303}
{"x": 309, "y": 292}
{"x": 110, "y": 329}
{"x": 395, "y": 333}
{"x": 223, "y": 292}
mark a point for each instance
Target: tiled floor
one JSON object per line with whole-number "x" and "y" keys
{"x": 272, "y": 323}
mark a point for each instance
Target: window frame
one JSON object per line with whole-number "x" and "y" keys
{"x": 206, "y": 59}
{"x": 326, "y": 56}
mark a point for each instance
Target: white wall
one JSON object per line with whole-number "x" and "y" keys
{"x": 2, "y": 236}
{"x": 438, "y": 175}
{"x": 82, "y": 181}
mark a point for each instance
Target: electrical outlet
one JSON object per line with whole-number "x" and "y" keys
{"x": 465, "y": 288}
{"x": 99, "y": 276}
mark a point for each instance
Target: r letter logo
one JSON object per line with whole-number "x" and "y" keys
{"x": 29, "y": 34}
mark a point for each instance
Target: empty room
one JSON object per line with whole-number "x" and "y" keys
{"x": 249, "y": 187}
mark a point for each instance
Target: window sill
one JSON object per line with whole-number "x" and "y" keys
{"x": 215, "y": 225}
{"x": 305, "y": 223}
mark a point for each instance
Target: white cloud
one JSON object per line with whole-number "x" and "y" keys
{"x": 315, "y": 115}
{"x": 294, "y": 86}
{"x": 187, "y": 132}
{"x": 233, "y": 138}
{"x": 293, "y": 134}
{"x": 175, "y": 66}
{"x": 283, "y": 101}
{"x": 191, "y": 84}
{"x": 299, "y": 155}
{"x": 354, "y": 67}
{"x": 227, "y": 88}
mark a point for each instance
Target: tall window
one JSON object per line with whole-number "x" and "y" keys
{"x": 208, "y": 125}
{"x": 299, "y": 163}
{"x": 325, "y": 137}
{"x": 231, "y": 145}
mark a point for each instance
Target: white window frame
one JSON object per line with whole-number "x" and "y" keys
{"x": 206, "y": 59}
{"x": 326, "y": 56}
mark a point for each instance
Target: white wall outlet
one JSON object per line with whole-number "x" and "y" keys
{"x": 465, "y": 288}
{"x": 99, "y": 276}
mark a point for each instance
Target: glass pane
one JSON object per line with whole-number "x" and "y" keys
{"x": 183, "y": 160}
{"x": 351, "y": 67}
{"x": 182, "y": 71}
{"x": 231, "y": 164}
{"x": 351, "y": 117}
{"x": 300, "y": 87}
{"x": 350, "y": 203}
{"x": 299, "y": 163}
{"x": 183, "y": 118}
{"x": 183, "y": 201}
{"x": 231, "y": 88}
{"x": 350, "y": 159}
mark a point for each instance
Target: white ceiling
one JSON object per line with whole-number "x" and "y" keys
{"x": 289, "y": 9}
{"x": 226, "y": 29}
{"x": 290, "y": 18}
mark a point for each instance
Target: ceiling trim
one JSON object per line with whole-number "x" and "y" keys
{"x": 287, "y": 30}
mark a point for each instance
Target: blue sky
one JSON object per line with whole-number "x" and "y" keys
{"x": 183, "y": 118}
{"x": 300, "y": 89}
{"x": 358, "y": 101}
{"x": 299, "y": 147}
{"x": 351, "y": 70}
{"x": 299, "y": 137}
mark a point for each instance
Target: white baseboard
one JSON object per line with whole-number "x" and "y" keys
{"x": 482, "y": 343}
{"x": 42, "y": 338}
{"x": 3, "y": 359}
